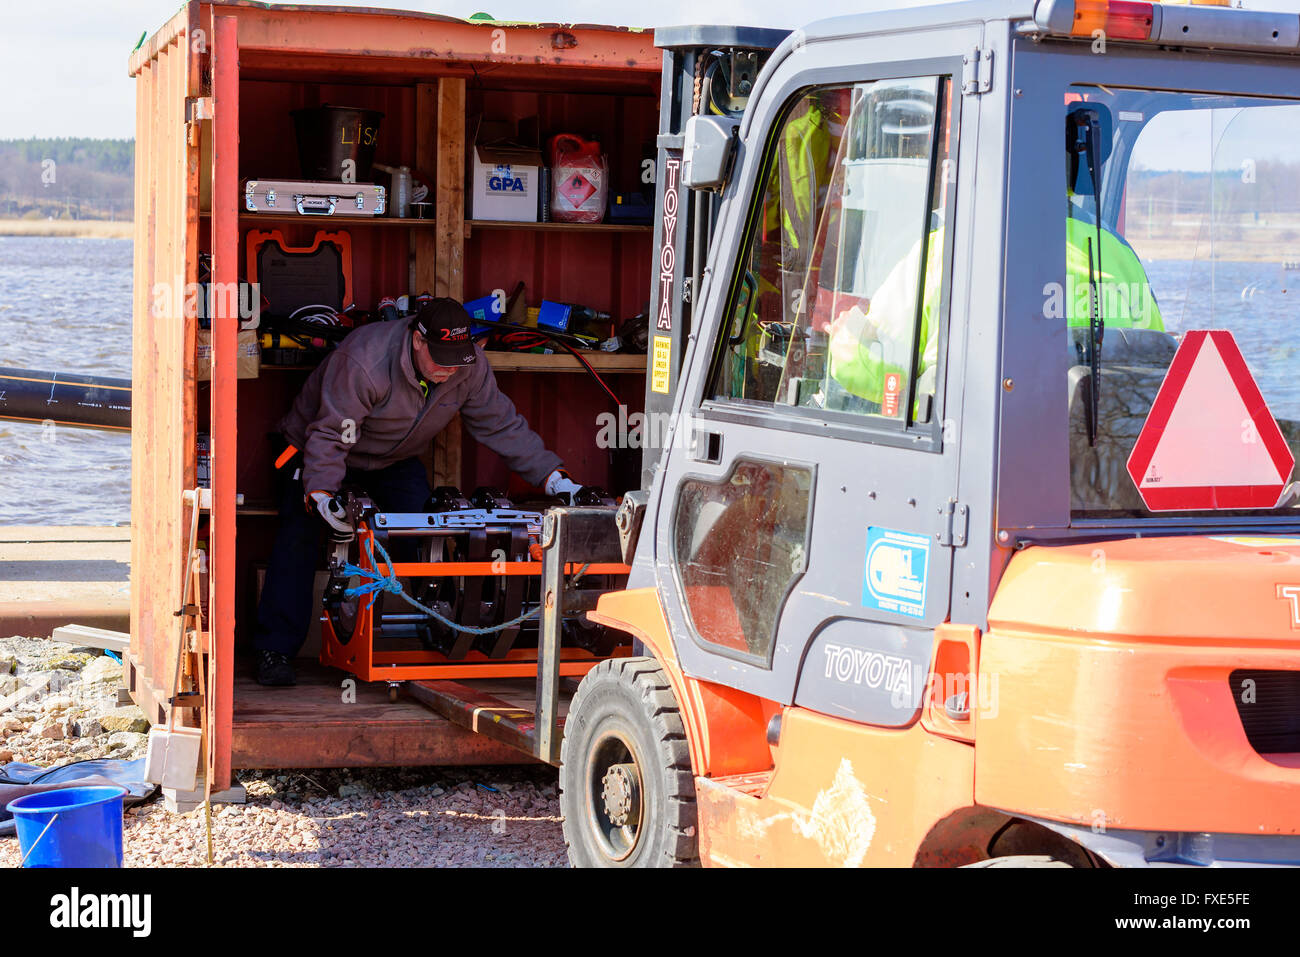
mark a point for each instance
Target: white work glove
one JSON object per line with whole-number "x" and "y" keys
{"x": 558, "y": 483}
{"x": 332, "y": 511}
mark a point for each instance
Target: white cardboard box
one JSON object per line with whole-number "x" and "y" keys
{"x": 505, "y": 183}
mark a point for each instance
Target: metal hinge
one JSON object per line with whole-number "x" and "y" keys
{"x": 954, "y": 520}
{"x": 977, "y": 71}
{"x": 197, "y": 109}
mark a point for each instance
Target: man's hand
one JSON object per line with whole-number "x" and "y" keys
{"x": 333, "y": 513}
{"x": 559, "y": 484}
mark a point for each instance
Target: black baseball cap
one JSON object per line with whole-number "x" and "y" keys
{"x": 444, "y": 324}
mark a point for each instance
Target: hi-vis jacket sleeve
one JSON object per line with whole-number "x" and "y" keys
{"x": 347, "y": 395}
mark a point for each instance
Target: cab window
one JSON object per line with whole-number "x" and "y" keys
{"x": 836, "y": 303}
{"x": 1180, "y": 215}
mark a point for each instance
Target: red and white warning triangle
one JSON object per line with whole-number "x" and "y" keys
{"x": 1209, "y": 441}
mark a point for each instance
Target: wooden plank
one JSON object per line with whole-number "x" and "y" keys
{"x": 478, "y": 706}
{"x": 22, "y": 694}
{"x": 473, "y": 224}
{"x": 317, "y": 724}
{"x": 449, "y": 237}
{"x": 88, "y": 637}
{"x": 449, "y": 194}
{"x": 421, "y": 226}
{"x": 563, "y": 362}
{"x": 612, "y": 364}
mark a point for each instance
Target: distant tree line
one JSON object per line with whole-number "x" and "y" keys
{"x": 1266, "y": 188}
{"x": 67, "y": 177}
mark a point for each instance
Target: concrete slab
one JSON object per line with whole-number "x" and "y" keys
{"x": 60, "y": 575}
{"x": 182, "y": 802}
{"x": 84, "y": 636}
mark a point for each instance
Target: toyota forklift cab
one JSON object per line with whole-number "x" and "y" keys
{"x": 971, "y": 538}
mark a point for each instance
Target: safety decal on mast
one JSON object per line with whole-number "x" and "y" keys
{"x": 1209, "y": 441}
{"x": 661, "y": 346}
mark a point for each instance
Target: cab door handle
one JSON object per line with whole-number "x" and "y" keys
{"x": 706, "y": 446}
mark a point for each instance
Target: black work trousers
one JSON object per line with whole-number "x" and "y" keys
{"x": 285, "y": 611}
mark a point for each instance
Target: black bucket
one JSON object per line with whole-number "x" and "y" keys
{"x": 330, "y": 136}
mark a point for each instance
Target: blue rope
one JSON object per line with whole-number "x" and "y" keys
{"x": 389, "y": 583}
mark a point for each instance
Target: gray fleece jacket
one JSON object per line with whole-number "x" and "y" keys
{"x": 363, "y": 408}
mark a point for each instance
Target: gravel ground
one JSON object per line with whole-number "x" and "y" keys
{"x": 408, "y": 817}
{"x": 373, "y": 817}
{"x": 387, "y": 817}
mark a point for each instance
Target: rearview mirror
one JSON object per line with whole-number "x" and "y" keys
{"x": 708, "y": 151}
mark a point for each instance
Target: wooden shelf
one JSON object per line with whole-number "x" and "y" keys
{"x": 337, "y": 222}
{"x": 343, "y": 222}
{"x": 613, "y": 363}
{"x": 473, "y": 224}
{"x": 563, "y": 362}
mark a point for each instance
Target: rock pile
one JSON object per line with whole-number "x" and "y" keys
{"x": 71, "y": 710}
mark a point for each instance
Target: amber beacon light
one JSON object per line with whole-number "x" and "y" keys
{"x": 1118, "y": 19}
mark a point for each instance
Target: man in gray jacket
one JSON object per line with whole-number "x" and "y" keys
{"x": 363, "y": 418}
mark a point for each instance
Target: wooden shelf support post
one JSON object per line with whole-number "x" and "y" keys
{"x": 449, "y": 233}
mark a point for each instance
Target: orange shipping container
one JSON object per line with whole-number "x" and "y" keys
{"x": 215, "y": 88}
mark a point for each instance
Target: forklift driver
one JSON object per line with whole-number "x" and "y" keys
{"x": 362, "y": 420}
{"x": 868, "y": 345}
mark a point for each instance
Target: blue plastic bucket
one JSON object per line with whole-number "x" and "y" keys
{"x": 70, "y": 827}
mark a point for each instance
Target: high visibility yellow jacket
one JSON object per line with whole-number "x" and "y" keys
{"x": 867, "y": 347}
{"x": 1126, "y": 299}
{"x": 802, "y": 160}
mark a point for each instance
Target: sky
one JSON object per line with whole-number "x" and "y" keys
{"x": 63, "y": 62}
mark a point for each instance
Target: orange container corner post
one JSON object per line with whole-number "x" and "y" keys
{"x": 214, "y": 90}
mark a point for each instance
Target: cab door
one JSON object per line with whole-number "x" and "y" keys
{"x": 807, "y": 510}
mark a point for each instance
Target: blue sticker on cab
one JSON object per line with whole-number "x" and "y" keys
{"x": 895, "y": 571}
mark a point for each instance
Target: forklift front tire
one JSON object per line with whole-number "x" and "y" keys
{"x": 626, "y": 789}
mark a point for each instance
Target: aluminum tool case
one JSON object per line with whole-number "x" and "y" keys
{"x": 314, "y": 198}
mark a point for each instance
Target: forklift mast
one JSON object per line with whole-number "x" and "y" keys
{"x": 707, "y": 69}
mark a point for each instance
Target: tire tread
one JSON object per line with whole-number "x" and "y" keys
{"x": 645, "y": 679}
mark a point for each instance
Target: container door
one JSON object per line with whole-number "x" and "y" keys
{"x": 806, "y": 520}
{"x": 163, "y": 399}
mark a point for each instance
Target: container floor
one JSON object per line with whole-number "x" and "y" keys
{"x": 330, "y": 720}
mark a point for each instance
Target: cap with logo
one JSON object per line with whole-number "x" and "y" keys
{"x": 444, "y": 324}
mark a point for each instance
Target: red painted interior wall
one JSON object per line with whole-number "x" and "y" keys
{"x": 609, "y": 272}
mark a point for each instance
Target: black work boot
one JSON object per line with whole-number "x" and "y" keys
{"x": 274, "y": 669}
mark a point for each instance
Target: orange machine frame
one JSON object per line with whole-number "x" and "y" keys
{"x": 359, "y": 656}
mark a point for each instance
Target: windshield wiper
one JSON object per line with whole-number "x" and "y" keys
{"x": 1088, "y": 132}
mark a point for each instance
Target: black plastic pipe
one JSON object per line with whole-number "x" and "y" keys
{"x": 83, "y": 401}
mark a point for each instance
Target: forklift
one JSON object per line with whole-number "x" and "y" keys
{"x": 971, "y": 538}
